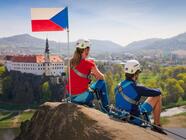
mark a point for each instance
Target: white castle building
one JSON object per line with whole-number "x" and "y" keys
{"x": 50, "y": 65}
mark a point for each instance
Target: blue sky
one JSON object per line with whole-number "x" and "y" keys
{"x": 120, "y": 21}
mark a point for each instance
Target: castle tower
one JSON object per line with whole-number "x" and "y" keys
{"x": 47, "y": 59}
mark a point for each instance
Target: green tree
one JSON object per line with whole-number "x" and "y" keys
{"x": 110, "y": 85}
{"x": 7, "y": 87}
{"x": 181, "y": 76}
{"x": 23, "y": 93}
{"x": 182, "y": 81}
{"x": 46, "y": 92}
{"x": 2, "y": 70}
{"x": 178, "y": 70}
{"x": 174, "y": 90}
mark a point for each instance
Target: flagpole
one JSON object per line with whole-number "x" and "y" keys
{"x": 68, "y": 65}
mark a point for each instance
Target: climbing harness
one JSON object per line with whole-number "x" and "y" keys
{"x": 128, "y": 99}
{"x": 80, "y": 74}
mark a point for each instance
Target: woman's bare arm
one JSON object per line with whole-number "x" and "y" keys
{"x": 96, "y": 73}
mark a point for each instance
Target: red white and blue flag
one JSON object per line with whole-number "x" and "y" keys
{"x": 49, "y": 19}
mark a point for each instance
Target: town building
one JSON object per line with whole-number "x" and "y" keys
{"x": 47, "y": 64}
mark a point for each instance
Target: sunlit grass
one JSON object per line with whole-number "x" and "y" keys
{"x": 6, "y": 123}
{"x": 14, "y": 121}
{"x": 25, "y": 116}
{"x": 178, "y": 120}
{"x": 164, "y": 120}
{"x": 181, "y": 114}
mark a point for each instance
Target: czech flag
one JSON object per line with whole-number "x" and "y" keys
{"x": 49, "y": 19}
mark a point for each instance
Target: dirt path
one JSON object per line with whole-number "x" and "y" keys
{"x": 176, "y": 122}
{"x": 173, "y": 111}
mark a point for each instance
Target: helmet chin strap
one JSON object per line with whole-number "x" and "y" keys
{"x": 135, "y": 78}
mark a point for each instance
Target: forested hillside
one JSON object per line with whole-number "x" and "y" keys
{"x": 29, "y": 89}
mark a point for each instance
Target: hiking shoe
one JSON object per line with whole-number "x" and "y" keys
{"x": 91, "y": 105}
{"x": 158, "y": 129}
{"x": 108, "y": 108}
{"x": 105, "y": 109}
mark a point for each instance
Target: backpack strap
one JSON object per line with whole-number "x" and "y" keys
{"x": 128, "y": 99}
{"x": 80, "y": 74}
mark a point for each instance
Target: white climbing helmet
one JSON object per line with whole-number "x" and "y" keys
{"x": 83, "y": 43}
{"x": 132, "y": 66}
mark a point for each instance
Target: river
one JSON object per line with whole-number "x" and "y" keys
{"x": 8, "y": 133}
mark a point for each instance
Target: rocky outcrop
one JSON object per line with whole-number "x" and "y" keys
{"x": 62, "y": 121}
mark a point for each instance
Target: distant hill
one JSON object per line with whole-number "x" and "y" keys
{"x": 27, "y": 44}
{"x": 166, "y": 45}
{"x": 141, "y": 44}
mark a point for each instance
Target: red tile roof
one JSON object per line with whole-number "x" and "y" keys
{"x": 34, "y": 58}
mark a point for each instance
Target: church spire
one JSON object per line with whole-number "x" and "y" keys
{"x": 47, "y": 52}
{"x": 47, "y": 47}
{"x": 47, "y": 58}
